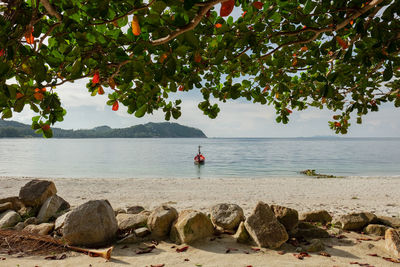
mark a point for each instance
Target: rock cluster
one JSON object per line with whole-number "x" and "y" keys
{"x": 39, "y": 210}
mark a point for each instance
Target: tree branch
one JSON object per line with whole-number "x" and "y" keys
{"x": 195, "y": 21}
{"x": 51, "y": 9}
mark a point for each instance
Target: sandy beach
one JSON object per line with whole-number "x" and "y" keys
{"x": 380, "y": 195}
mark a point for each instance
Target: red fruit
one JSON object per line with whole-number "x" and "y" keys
{"x": 258, "y": 5}
{"x": 38, "y": 96}
{"x": 19, "y": 95}
{"x": 218, "y": 25}
{"x": 244, "y": 13}
{"x": 100, "y": 90}
{"x": 197, "y": 58}
{"x": 96, "y": 78}
{"x": 2, "y": 52}
{"x": 180, "y": 88}
{"x": 29, "y": 37}
{"x": 115, "y": 106}
{"x": 338, "y": 124}
{"x": 336, "y": 117}
{"x": 289, "y": 111}
{"x": 266, "y": 88}
{"x": 45, "y": 127}
{"x": 226, "y": 8}
{"x": 342, "y": 43}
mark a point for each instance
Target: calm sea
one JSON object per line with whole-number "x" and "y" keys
{"x": 167, "y": 158}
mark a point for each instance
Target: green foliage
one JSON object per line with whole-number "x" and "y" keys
{"x": 342, "y": 55}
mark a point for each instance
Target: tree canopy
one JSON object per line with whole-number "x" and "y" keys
{"x": 292, "y": 54}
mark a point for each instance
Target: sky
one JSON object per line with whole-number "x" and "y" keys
{"x": 236, "y": 118}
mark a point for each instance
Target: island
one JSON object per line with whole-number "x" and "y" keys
{"x": 10, "y": 129}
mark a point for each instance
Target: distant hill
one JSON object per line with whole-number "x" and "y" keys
{"x": 160, "y": 130}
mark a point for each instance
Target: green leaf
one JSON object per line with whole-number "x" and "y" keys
{"x": 309, "y": 6}
{"x": 141, "y": 111}
{"x": 388, "y": 73}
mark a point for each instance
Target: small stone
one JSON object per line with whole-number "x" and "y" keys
{"x": 308, "y": 230}
{"x": 41, "y": 229}
{"x": 142, "y": 232}
{"x": 392, "y": 242}
{"x": 9, "y": 218}
{"x": 130, "y": 239}
{"x": 131, "y": 221}
{"x": 264, "y": 228}
{"x": 160, "y": 221}
{"x": 191, "y": 226}
{"x": 354, "y": 221}
{"x": 375, "y": 229}
{"x": 389, "y": 221}
{"x": 241, "y": 235}
{"x": 6, "y": 206}
{"x": 227, "y": 216}
{"x": 19, "y": 226}
{"x": 35, "y": 192}
{"x": 31, "y": 220}
{"x": 286, "y": 216}
{"x": 321, "y": 216}
{"x": 51, "y": 207}
{"x": 134, "y": 209}
{"x": 315, "y": 245}
{"x": 15, "y": 201}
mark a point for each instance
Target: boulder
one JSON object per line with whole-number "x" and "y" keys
{"x": 241, "y": 235}
{"x": 389, "y": 221}
{"x": 59, "y": 223}
{"x": 41, "y": 229}
{"x": 392, "y": 242}
{"x": 19, "y": 226}
{"x": 31, "y": 220}
{"x": 51, "y": 208}
{"x": 354, "y": 221}
{"x": 227, "y": 216}
{"x": 134, "y": 209}
{"x": 321, "y": 216}
{"x": 286, "y": 216}
{"x": 142, "y": 232}
{"x": 6, "y": 206}
{"x": 9, "y": 218}
{"x": 372, "y": 218}
{"x": 375, "y": 229}
{"x": 90, "y": 224}
{"x": 190, "y": 226}
{"x": 264, "y": 228}
{"x": 315, "y": 245}
{"x": 308, "y": 230}
{"x": 15, "y": 201}
{"x": 131, "y": 221}
{"x": 160, "y": 221}
{"x": 35, "y": 192}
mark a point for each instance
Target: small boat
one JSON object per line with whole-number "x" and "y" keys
{"x": 199, "y": 158}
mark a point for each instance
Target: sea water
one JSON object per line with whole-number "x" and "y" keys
{"x": 173, "y": 157}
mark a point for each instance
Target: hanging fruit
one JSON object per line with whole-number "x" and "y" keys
{"x": 135, "y": 26}
{"x": 226, "y": 8}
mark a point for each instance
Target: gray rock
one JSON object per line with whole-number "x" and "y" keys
{"x": 160, "y": 221}
{"x": 142, "y": 232}
{"x": 315, "y": 245}
{"x": 131, "y": 221}
{"x": 372, "y": 218}
{"x": 6, "y": 206}
{"x": 321, "y": 216}
{"x": 41, "y": 229}
{"x": 59, "y": 223}
{"x": 191, "y": 226}
{"x": 389, "y": 221}
{"x": 9, "y": 218}
{"x": 392, "y": 242}
{"x": 227, "y": 216}
{"x": 31, "y": 220}
{"x": 134, "y": 209}
{"x": 35, "y": 192}
{"x": 15, "y": 201}
{"x": 51, "y": 208}
{"x": 308, "y": 230}
{"x": 286, "y": 216}
{"x": 375, "y": 229}
{"x": 354, "y": 221}
{"x": 19, "y": 226}
{"x": 264, "y": 228}
{"x": 241, "y": 235}
{"x": 90, "y": 224}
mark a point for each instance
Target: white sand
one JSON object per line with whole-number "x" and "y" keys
{"x": 380, "y": 195}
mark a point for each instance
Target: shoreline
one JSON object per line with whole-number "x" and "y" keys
{"x": 379, "y": 195}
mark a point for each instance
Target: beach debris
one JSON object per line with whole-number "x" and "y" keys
{"x": 391, "y": 259}
{"x": 182, "y": 249}
{"x": 227, "y": 216}
{"x": 160, "y": 221}
{"x": 309, "y": 172}
{"x": 375, "y": 229}
{"x": 35, "y": 192}
{"x": 186, "y": 260}
{"x": 255, "y": 249}
{"x": 9, "y": 218}
{"x": 392, "y": 242}
{"x": 264, "y": 228}
{"x": 281, "y": 252}
{"x": 373, "y": 255}
{"x": 287, "y": 217}
{"x": 158, "y": 265}
{"x": 361, "y": 264}
{"x": 51, "y": 207}
{"x": 241, "y": 235}
{"x": 90, "y": 224}
{"x": 228, "y": 250}
{"x": 190, "y": 226}
{"x": 318, "y": 216}
{"x": 325, "y": 254}
{"x": 301, "y": 255}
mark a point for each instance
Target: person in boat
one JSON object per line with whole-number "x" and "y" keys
{"x": 199, "y": 157}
